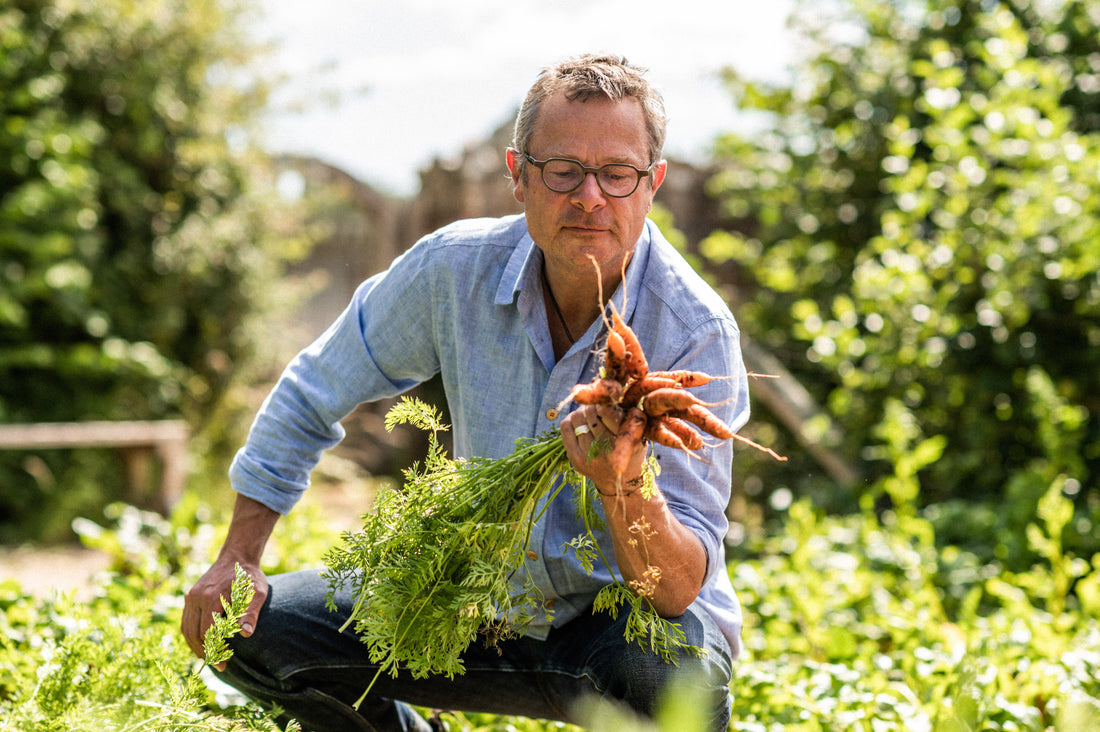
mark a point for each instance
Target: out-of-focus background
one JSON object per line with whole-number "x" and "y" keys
{"x": 401, "y": 84}
{"x": 900, "y": 201}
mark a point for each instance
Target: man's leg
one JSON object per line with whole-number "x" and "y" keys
{"x": 590, "y": 657}
{"x": 299, "y": 660}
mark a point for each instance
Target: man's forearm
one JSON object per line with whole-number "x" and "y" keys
{"x": 249, "y": 530}
{"x": 657, "y": 555}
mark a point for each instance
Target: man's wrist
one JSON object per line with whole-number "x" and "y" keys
{"x": 629, "y": 487}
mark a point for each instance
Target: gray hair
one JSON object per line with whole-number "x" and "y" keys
{"x": 590, "y": 76}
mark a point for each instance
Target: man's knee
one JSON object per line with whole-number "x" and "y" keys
{"x": 645, "y": 680}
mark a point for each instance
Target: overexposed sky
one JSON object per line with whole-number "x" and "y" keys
{"x": 383, "y": 88}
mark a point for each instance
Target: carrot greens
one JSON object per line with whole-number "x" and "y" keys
{"x": 225, "y": 626}
{"x": 433, "y": 565}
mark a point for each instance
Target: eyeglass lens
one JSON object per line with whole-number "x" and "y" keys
{"x": 564, "y": 176}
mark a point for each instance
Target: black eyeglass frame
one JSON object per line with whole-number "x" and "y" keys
{"x": 585, "y": 170}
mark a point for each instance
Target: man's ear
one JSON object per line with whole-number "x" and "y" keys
{"x": 513, "y": 159}
{"x": 658, "y": 175}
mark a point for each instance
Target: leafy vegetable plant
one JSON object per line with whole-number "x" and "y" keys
{"x": 434, "y": 564}
{"x": 225, "y": 626}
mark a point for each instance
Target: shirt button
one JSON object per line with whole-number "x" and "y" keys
{"x": 532, "y": 555}
{"x": 551, "y": 414}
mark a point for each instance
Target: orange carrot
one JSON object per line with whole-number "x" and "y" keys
{"x": 685, "y": 378}
{"x": 598, "y": 391}
{"x": 650, "y": 383}
{"x": 673, "y": 432}
{"x": 684, "y": 431}
{"x": 631, "y": 431}
{"x": 634, "y": 364}
{"x": 699, "y": 415}
{"x": 663, "y": 401}
{"x": 615, "y": 356}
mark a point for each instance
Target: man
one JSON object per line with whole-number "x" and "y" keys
{"x": 509, "y": 312}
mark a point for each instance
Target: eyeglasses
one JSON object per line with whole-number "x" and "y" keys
{"x": 562, "y": 175}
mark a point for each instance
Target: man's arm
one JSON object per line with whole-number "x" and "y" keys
{"x": 659, "y": 556}
{"x": 249, "y": 530}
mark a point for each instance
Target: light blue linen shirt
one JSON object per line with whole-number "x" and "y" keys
{"x": 467, "y": 301}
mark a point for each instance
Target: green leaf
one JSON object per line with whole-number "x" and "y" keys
{"x": 215, "y": 646}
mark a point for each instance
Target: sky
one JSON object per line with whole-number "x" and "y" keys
{"x": 381, "y": 88}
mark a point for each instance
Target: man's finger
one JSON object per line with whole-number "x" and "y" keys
{"x": 189, "y": 626}
{"x": 252, "y": 614}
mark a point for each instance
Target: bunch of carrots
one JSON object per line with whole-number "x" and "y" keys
{"x": 656, "y": 404}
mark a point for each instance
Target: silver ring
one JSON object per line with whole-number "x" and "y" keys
{"x": 582, "y": 430}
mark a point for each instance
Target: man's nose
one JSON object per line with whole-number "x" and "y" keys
{"x": 588, "y": 194}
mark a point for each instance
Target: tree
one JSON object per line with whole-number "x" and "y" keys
{"x": 134, "y": 234}
{"x": 926, "y": 209}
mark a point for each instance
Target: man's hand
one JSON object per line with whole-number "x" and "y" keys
{"x": 249, "y": 530}
{"x": 668, "y": 549}
{"x": 588, "y": 435}
{"x": 204, "y": 601}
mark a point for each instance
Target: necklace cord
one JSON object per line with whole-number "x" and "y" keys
{"x": 557, "y": 308}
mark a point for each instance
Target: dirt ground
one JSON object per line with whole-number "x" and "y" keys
{"x": 43, "y": 570}
{"x": 40, "y": 570}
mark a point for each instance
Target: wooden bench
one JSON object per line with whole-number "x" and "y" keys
{"x": 167, "y": 439}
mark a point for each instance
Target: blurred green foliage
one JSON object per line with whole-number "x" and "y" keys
{"x": 922, "y": 211}
{"x": 138, "y": 230}
{"x": 860, "y": 623}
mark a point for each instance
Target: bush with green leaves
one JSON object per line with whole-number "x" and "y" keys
{"x": 923, "y": 209}
{"x": 860, "y": 623}
{"x": 116, "y": 660}
{"x": 138, "y": 230}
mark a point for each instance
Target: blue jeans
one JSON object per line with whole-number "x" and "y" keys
{"x": 299, "y": 660}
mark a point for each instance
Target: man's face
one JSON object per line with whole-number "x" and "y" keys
{"x": 570, "y": 226}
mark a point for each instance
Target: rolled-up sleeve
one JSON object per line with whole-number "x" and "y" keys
{"x": 379, "y": 347}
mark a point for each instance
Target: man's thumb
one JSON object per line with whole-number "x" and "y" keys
{"x": 248, "y": 623}
{"x": 252, "y": 614}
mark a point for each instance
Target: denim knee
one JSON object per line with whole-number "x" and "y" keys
{"x": 642, "y": 679}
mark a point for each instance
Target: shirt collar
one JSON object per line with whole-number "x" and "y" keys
{"x": 522, "y": 272}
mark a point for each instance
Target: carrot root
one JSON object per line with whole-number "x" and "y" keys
{"x": 705, "y": 420}
{"x": 758, "y": 446}
{"x": 674, "y": 432}
{"x": 663, "y": 401}
{"x": 658, "y": 407}
{"x": 600, "y": 391}
{"x": 631, "y": 430}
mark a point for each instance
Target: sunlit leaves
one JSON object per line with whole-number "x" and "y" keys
{"x": 115, "y": 659}
{"x": 851, "y": 623}
{"x": 846, "y": 628}
{"x": 135, "y": 234}
{"x": 935, "y": 155}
